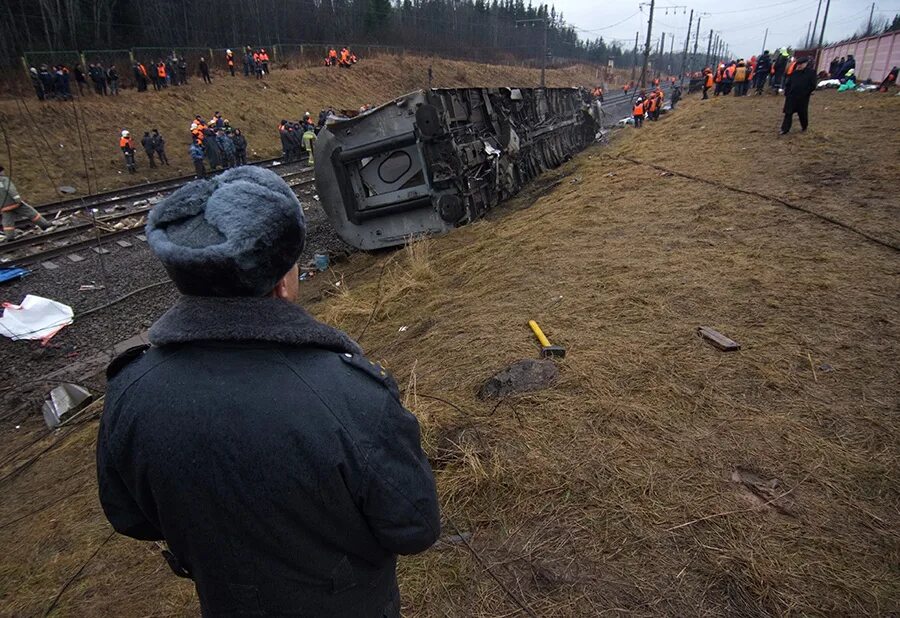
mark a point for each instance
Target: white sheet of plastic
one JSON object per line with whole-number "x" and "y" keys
{"x": 36, "y": 318}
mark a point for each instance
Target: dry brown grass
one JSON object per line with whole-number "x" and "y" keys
{"x": 613, "y": 492}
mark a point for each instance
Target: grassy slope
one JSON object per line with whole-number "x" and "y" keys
{"x": 254, "y": 106}
{"x": 613, "y": 490}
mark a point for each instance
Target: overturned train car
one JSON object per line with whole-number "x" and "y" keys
{"x": 436, "y": 159}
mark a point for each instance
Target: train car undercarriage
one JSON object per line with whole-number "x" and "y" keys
{"x": 433, "y": 160}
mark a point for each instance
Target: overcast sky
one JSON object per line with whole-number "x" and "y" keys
{"x": 741, "y": 23}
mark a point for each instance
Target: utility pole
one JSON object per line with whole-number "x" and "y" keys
{"x": 869, "y": 27}
{"x": 824, "y": 19}
{"x": 696, "y": 38}
{"x": 708, "y": 48}
{"x": 544, "y": 55}
{"x": 816, "y": 22}
{"x": 806, "y": 40}
{"x": 687, "y": 42}
{"x": 662, "y": 50}
{"x": 647, "y": 45}
{"x": 766, "y": 36}
{"x": 634, "y": 60}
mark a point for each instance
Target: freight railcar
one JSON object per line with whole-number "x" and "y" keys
{"x": 433, "y": 160}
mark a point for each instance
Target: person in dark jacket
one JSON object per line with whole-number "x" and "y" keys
{"x": 276, "y": 462}
{"x": 46, "y": 78}
{"x": 182, "y": 70}
{"x": 763, "y": 68}
{"x": 147, "y": 143}
{"x": 36, "y": 83}
{"x": 240, "y": 147}
{"x": 112, "y": 76}
{"x": 80, "y": 79}
{"x": 212, "y": 149}
{"x": 159, "y": 147}
{"x": 798, "y": 87}
{"x": 204, "y": 71}
{"x": 226, "y": 145}
{"x": 779, "y": 66}
{"x": 197, "y": 154}
{"x": 850, "y": 63}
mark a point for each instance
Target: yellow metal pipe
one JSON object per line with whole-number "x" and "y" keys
{"x": 539, "y": 333}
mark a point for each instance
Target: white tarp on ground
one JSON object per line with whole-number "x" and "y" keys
{"x": 36, "y": 318}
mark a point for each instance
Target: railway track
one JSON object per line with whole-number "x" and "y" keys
{"x": 90, "y": 229}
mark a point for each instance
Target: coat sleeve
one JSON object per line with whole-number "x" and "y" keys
{"x": 120, "y": 508}
{"x": 400, "y": 499}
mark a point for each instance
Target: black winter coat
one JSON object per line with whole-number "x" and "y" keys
{"x": 798, "y": 87}
{"x": 274, "y": 459}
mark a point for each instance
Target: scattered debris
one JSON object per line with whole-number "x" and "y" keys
{"x": 763, "y": 492}
{"x": 65, "y": 400}
{"x": 8, "y": 274}
{"x": 522, "y": 376}
{"x": 90, "y": 287}
{"x": 36, "y": 318}
{"x": 403, "y": 329}
{"x": 321, "y": 261}
{"x": 718, "y": 339}
{"x": 825, "y": 368}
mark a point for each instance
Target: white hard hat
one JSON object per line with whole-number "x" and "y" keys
{"x": 227, "y": 51}
{"x": 193, "y": 126}
{"x": 124, "y": 133}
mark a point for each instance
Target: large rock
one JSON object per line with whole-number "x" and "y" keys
{"x": 521, "y": 377}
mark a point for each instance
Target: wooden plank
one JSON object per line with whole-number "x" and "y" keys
{"x": 718, "y": 339}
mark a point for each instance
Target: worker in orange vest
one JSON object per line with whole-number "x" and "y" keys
{"x": 720, "y": 70}
{"x": 264, "y": 58}
{"x": 229, "y": 60}
{"x": 344, "y": 61}
{"x": 160, "y": 81}
{"x": 332, "y": 57}
{"x": 127, "y": 146}
{"x": 741, "y": 78}
{"x": 638, "y": 113}
{"x": 707, "y": 82}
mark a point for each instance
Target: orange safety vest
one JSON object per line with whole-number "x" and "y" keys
{"x": 161, "y": 70}
{"x": 264, "y": 57}
{"x": 230, "y": 58}
{"x": 332, "y": 53}
{"x": 638, "y": 109}
{"x": 142, "y": 69}
{"x": 729, "y": 72}
{"x": 791, "y": 67}
{"x": 126, "y": 141}
{"x": 709, "y": 80}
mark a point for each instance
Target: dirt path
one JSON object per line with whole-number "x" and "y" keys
{"x": 659, "y": 476}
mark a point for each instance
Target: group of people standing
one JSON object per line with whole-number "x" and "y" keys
{"x": 55, "y": 83}
{"x": 297, "y": 137}
{"x": 217, "y": 144}
{"x": 649, "y": 105}
{"x": 154, "y": 146}
{"x": 345, "y": 59}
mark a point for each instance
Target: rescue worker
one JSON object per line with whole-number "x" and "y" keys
{"x": 741, "y": 78}
{"x": 161, "y": 75}
{"x": 763, "y": 68}
{"x": 728, "y": 78}
{"x": 332, "y": 57}
{"x": 846, "y": 67}
{"x": 797, "y": 90}
{"x": 309, "y": 141}
{"x": 196, "y": 133}
{"x": 229, "y": 60}
{"x": 149, "y": 148}
{"x": 638, "y": 113}
{"x": 240, "y": 147}
{"x": 707, "y": 82}
{"x": 651, "y": 106}
{"x": 216, "y": 121}
{"x": 171, "y": 74}
{"x": 285, "y": 140}
{"x": 344, "y": 61}
{"x": 204, "y": 71}
{"x": 12, "y": 206}
{"x": 248, "y": 63}
{"x": 778, "y": 68}
{"x": 264, "y": 58}
{"x": 61, "y": 83}
{"x": 139, "y": 80}
{"x": 126, "y": 144}
{"x": 720, "y": 76}
{"x": 197, "y": 155}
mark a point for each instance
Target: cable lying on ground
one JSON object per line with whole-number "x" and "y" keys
{"x": 771, "y": 198}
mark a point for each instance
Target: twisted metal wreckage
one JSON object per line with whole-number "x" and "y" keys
{"x": 433, "y": 160}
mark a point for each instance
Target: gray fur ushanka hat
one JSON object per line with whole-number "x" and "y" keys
{"x": 236, "y": 234}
